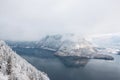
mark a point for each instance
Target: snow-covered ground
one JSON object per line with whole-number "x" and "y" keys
{"x": 13, "y": 67}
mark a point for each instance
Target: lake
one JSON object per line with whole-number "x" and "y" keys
{"x": 95, "y": 69}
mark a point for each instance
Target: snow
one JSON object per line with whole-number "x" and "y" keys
{"x": 109, "y": 50}
{"x": 13, "y": 67}
{"x": 107, "y": 40}
{"x": 3, "y": 77}
{"x": 71, "y": 45}
{"x": 56, "y": 41}
{"x": 67, "y": 44}
{"x": 50, "y": 42}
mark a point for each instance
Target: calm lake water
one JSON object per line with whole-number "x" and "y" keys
{"x": 44, "y": 60}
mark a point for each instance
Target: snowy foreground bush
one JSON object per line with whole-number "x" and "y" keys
{"x": 13, "y": 67}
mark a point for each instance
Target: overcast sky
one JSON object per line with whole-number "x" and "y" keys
{"x": 30, "y": 19}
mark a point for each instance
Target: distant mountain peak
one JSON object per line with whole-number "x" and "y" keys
{"x": 56, "y": 41}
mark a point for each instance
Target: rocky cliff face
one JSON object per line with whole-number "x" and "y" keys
{"x": 13, "y": 67}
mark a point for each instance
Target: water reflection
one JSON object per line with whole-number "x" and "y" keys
{"x": 74, "y": 61}
{"x": 68, "y": 61}
{"x": 35, "y": 52}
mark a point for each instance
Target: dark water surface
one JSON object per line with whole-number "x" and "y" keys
{"x": 44, "y": 60}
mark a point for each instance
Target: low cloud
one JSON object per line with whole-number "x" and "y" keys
{"x": 31, "y": 19}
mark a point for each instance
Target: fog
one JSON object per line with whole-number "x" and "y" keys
{"x": 31, "y": 19}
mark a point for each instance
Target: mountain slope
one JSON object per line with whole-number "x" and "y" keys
{"x": 52, "y": 42}
{"x": 71, "y": 45}
{"x": 13, "y": 67}
{"x": 56, "y": 42}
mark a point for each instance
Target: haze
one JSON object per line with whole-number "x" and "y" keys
{"x": 31, "y": 19}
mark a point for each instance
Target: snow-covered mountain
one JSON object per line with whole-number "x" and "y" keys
{"x": 52, "y": 42}
{"x": 76, "y": 47}
{"x": 13, "y": 67}
{"x": 107, "y": 40}
{"x": 66, "y": 41}
{"x": 71, "y": 45}
{"x": 68, "y": 45}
